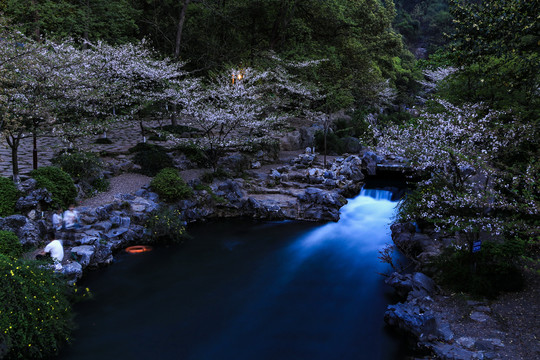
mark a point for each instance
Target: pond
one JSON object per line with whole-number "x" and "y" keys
{"x": 247, "y": 290}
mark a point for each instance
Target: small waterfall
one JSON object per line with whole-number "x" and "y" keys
{"x": 376, "y": 194}
{"x": 363, "y": 226}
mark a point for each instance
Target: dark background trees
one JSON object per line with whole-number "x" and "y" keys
{"x": 356, "y": 36}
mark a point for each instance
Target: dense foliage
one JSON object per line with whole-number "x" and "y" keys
{"x": 58, "y": 183}
{"x": 485, "y": 273}
{"x": 9, "y": 196}
{"x": 423, "y": 23}
{"x": 10, "y": 245}
{"x": 80, "y": 165}
{"x": 111, "y": 20}
{"x": 35, "y": 314}
{"x": 355, "y": 36}
{"x": 495, "y": 46}
{"x": 170, "y": 186}
{"x": 456, "y": 147}
{"x": 479, "y": 160}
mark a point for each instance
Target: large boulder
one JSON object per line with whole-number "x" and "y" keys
{"x": 415, "y": 318}
{"x": 235, "y": 163}
{"x": 84, "y": 254}
{"x": 291, "y": 141}
{"x": 73, "y": 271}
{"x": 351, "y": 145}
{"x": 415, "y": 285}
{"x": 28, "y": 232}
{"x": 34, "y": 200}
{"x": 263, "y": 209}
{"x": 420, "y": 247}
{"x": 299, "y": 139}
{"x": 27, "y": 185}
{"x": 103, "y": 254}
{"x": 230, "y": 190}
{"x": 320, "y": 205}
{"x": 370, "y": 161}
{"x": 412, "y": 319}
{"x": 351, "y": 168}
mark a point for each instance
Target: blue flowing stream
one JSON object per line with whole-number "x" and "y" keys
{"x": 247, "y": 290}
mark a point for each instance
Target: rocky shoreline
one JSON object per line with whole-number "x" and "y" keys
{"x": 300, "y": 189}
{"x": 451, "y": 326}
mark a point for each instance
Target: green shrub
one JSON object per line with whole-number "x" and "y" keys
{"x": 8, "y": 197}
{"x": 101, "y": 184}
{"x": 86, "y": 168}
{"x": 165, "y": 225}
{"x": 10, "y": 245}
{"x": 82, "y": 166}
{"x": 58, "y": 183}
{"x": 35, "y": 314}
{"x": 170, "y": 186}
{"x": 151, "y": 158}
{"x": 485, "y": 273}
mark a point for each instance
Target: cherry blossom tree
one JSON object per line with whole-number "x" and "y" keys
{"x": 463, "y": 190}
{"x": 246, "y": 106}
{"x": 128, "y": 79}
{"x": 26, "y": 102}
{"x": 60, "y": 88}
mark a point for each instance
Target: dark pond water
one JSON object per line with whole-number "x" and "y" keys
{"x": 248, "y": 291}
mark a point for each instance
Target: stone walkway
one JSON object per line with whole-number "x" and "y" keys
{"x": 123, "y": 136}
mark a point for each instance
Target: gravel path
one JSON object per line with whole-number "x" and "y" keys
{"x": 127, "y": 183}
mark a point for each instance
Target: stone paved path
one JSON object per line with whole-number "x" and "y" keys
{"x": 123, "y": 136}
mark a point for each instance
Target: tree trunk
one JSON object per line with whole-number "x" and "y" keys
{"x": 285, "y": 14}
{"x": 34, "y": 150}
{"x": 86, "y": 24}
{"x": 325, "y": 133}
{"x": 13, "y": 142}
{"x": 179, "y": 29}
{"x": 37, "y": 33}
{"x": 173, "y": 115}
{"x": 177, "y": 44}
{"x": 143, "y": 133}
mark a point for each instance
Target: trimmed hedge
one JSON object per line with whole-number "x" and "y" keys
{"x": 170, "y": 186}
{"x": 151, "y": 158}
{"x": 58, "y": 183}
{"x": 8, "y": 197}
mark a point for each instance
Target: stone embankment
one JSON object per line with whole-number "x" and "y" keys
{"x": 299, "y": 188}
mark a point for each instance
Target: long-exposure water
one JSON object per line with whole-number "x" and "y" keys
{"x": 248, "y": 291}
